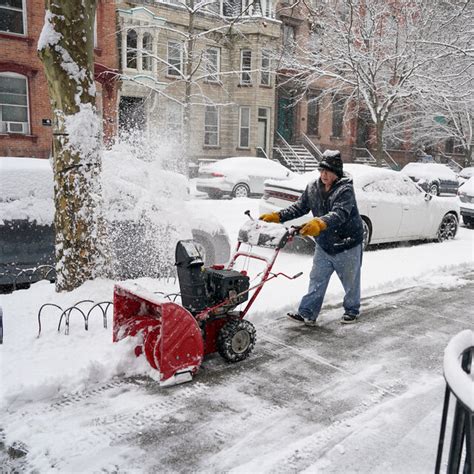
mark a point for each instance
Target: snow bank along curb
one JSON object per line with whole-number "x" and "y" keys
{"x": 460, "y": 382}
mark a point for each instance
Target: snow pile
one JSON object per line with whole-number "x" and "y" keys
{"x": 460, "y": 382}
{"x": 429, "y": 171}
{"x": 26, "y": 190}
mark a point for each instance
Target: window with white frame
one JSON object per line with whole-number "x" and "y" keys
{"x": 132, "y": 49}
{"x": 213, "y": 64}
{"x": 289, "y": 36}
{"x": 13, "y": 103}
{"x": 175, "y": 58}
{"x": 265, "y": 68}
{"x": 211, "y": 126}
{"x": 245, "y": 66}
{"x": 13, "y": 16}
{"x": 147, "y": 52}
{"x": 244, "y": 127}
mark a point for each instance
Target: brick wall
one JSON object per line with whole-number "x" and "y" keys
{"x": 18, "y": 54}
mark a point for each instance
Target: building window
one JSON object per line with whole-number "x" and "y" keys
{"x": 213, "y": 64}
{"x": 313, "y": 115}
{"x": 289, "y": 36}
{"x": 175, "y": 61}
{"x": 265, "y": 68}
{"x": 147, "y": 52}
{"x": 12, "y": 16}
{"x": 211, "y": 126}
{"x": 13, "y": 103}
{"x": 245, "y": 66}
{"x": 337, "y": 116}
{"x": 131, "y": 49}
{"x": 244, "y": 127}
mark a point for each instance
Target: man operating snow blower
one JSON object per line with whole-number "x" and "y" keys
{"x": 338, "y": 232}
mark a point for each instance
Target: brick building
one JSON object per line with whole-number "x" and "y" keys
{"x": 25, "y": 112}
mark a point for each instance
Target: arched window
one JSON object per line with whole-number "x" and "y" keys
{"x": 131, "y": 49}
{"x": 147, "y": 52}
{"x": 13, "y": 103}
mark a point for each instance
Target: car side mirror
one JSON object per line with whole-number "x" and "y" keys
{"x": 428, "y": 197}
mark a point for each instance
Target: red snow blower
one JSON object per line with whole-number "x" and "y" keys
{"x": 175, "y": 338}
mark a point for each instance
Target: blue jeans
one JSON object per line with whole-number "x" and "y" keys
{"x": 347, "y": 267}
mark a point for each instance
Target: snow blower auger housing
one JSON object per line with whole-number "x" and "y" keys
{"x": 175, "y": 338}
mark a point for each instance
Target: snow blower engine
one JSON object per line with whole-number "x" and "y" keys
{"x": 206, "y": 287}
{"x": 175, "y": 337}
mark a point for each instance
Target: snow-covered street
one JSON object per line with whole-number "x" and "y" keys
{"x": 363, "y": 398}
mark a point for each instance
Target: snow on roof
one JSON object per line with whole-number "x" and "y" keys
{"x": 131, "y": 186}
{"x": 428, "y": 171}
{"x": 361, "y": 175}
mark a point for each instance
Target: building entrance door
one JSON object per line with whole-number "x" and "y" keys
{"x": 286, "y": 118}
{"x": 262, "y": 131}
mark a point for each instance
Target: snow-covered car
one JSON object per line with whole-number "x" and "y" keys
{"x": 145, "y": 211}
{"x": 434, "y": 178}
{"x": 465, "y": 174}
{"x": 393, "y": 208}
{"x": 241, "y": 176}
{"x": 466, "y": 198}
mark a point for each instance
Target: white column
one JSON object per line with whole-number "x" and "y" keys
{"x": 140, "y": 49}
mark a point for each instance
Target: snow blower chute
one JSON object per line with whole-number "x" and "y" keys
{"x": 175, "y": 338}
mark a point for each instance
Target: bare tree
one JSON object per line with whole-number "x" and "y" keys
{"x": 66, "y": 49}
{"x": 443, "y": 111}
{"x": 376, "y": 53}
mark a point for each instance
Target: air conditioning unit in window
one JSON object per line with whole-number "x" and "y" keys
{"x": 16, "y": 127}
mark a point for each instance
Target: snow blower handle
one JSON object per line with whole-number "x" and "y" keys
{"x": 247, "y": 213}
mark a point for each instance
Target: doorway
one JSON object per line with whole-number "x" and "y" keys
{"x": 262, "y": 131}
{"x": 286, "y": 118}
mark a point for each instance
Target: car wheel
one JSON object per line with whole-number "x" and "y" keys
{"x": 241, "y": 190}
{"x": 367, "y": 233}
{"x": 468, "y": 221}
{"x": 448, "y": 227}
{"x": 433, "y": 189}
{"x": 236, "y": 340}
{"x": 205, "y": 246}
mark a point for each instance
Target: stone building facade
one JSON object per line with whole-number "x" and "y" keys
{"x": 205, "y": 79}
{"x": 25, "y": 111}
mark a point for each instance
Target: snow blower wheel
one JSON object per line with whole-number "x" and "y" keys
{"x": 236, "y": 340}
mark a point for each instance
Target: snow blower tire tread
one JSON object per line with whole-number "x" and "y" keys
{"x": 236, "y": 340}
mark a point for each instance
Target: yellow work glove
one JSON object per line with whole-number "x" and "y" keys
{"x": 271, "y": 217}
{"x": 313, "y": 227}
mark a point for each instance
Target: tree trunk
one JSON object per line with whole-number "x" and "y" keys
{"x": 379, "y": 154}
{"x": 66, "y": 49}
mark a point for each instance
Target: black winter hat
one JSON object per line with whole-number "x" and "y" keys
{"x": 332, "y": 161}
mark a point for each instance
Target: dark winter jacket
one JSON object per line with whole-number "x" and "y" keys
{"x": 338, "y": 209}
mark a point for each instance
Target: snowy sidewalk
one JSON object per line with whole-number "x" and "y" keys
{"x": 364, "y": 398}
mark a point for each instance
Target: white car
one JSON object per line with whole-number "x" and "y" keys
{"x": 393, "y": 208}
{"x": 465, "y": 174}
{"x": 466, "y": 197}
{"x": 241, "y": 176}
{"x": 434, "y": 178}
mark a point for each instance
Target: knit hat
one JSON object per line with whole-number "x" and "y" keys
{"x": 332, "y": 161}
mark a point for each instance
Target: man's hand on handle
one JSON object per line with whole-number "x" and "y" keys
{"x": 271, "y": 217}
{"x": 313, "y": 227}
